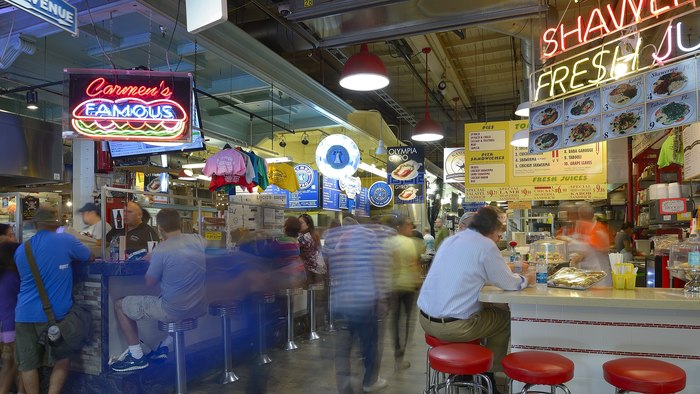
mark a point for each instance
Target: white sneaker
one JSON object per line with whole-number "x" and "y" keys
{"x": 378, "y": 385}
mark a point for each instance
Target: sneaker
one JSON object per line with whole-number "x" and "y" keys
{"x": 158, "y": 354}
{"x": 378, "y": 385}
{"x": 130, "y": 364}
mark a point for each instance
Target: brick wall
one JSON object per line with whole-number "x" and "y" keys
{"x": 88, "y": 292}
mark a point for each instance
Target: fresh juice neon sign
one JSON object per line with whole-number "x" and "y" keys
{"x": 603, "y": 21}
{"x": 129, "y": 111}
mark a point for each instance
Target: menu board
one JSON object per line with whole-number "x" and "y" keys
{"x": 330, "y": 191}
{"x": 408, "y": 194}
{"x": 363, "y": 205}
{"x": 659, "y": 99}
{"x": 515, "y": 174}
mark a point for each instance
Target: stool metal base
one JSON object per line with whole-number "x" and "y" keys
{"x": 313, "y": 336}
{"x": 480, "y": 384}
{"x": 552, "y": 389}
{"x": 291, "y": 346}
{"x": 228, "y": 377}
{"x": 262, "y": 359}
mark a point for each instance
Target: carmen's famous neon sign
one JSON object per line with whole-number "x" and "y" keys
{"x": 603, "y": 21}
{"x": 129, "y": 111}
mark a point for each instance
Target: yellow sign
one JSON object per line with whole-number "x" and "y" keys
{"x": 495, "y": 170}
{"x": 519, "y": 204}
{"x": 213, "y": 235}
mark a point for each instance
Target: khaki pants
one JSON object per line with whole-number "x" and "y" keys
{"x": 491, "y": 323}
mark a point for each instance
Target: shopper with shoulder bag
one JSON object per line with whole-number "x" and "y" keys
{"x": 48, "y": 322}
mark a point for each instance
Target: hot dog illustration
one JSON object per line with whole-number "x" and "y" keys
{"x": 161, "y": 119}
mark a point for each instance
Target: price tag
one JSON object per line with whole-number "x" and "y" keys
{"x": 213, "y": 235}
{"x": 672, "y": 206}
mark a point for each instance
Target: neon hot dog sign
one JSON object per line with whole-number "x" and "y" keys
{"x": 609, "y": 61}
{"x": 135, "y": 111}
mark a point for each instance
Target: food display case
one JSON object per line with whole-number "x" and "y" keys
{"x": 553, "y": 251}
{"x": 684, "y": 263}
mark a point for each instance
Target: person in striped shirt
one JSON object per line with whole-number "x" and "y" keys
{"x": 360, "y": 267}
{"x": 449, "y": 299}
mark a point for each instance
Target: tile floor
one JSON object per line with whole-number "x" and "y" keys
{"x": 310, "y": 370}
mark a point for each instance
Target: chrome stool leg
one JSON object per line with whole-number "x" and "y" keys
{"x": 290, "y": 324}
{"x": 311, "y": 295}
{"x": 228, "y": 376}
{"x": 262, "y": 358}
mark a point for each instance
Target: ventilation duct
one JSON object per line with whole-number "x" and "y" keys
{"x": 13, "y": 47}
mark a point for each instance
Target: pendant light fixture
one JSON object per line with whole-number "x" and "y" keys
{"x": 523, "y": 109}
{"x": 427, "y": 129}
{"x": 381, "y": 148}
{"x": 364, "y": 72}
{"x": 32, "y": 99}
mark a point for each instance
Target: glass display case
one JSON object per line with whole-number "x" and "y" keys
{"x": 553, "y": 251}
{"x": 684, "y": 263}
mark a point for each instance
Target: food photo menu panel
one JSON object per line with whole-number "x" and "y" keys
{"x": 623, "y": 122}
{"x": 545, "y": 140}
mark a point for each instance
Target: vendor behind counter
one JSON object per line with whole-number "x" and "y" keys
{"x": 138, "y": 232}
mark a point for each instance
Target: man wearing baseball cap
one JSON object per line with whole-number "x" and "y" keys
{"x": 90, "y": 213}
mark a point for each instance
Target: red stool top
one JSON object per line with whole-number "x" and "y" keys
{"x": 433, "y": 341}
{"x": 460, "y": 359}
{"x": 536, "y": 367}
{"x": 644, "y": 375}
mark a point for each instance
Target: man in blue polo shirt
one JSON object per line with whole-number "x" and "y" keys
{"x": 54, "y": 254}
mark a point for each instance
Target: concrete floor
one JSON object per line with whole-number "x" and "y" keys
{"x": 310, "y": 370}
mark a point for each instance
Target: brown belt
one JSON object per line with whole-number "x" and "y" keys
{"x": 438, "y": 319}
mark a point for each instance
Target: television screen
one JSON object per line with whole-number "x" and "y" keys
{"x": 120, "y": 149}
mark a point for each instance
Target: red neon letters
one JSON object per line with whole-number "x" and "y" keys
{"x": 603, "y": 21}
{"x": 101, "y": 88}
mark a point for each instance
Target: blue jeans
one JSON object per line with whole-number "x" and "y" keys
{"x": 363, "y": 326}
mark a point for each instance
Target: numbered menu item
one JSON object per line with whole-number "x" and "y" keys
{"x": 546, "y": 115}
{"x": 582, "y": 133}
{"x": 622, "y": 94}
{"x": 624, "y": 122}
{"x": 582, "y": 106}
{"x": 545, "y": 140}
{"x": 671, "y": 112}
{"x": 676, "y": 79}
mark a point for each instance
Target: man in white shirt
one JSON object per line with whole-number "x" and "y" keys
{"x": 449, "y": 299}
{"x": 91, "y": 217}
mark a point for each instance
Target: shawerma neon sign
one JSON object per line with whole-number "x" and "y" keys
{"x": 130, "y": 105}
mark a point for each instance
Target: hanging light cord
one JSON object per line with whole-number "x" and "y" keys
{"x": 426, "y": 51}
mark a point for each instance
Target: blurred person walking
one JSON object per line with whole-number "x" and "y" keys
{"x": 429, "y": 241}
{"x": 406, "y": 276}
{"x": 9, "y": 289}
{"x": 359, "y": 263}
{"x": 7, "y": 234}
{"x": 310, "y": 250}
{"x": 53, "y": 255}
{"x": 178, "y": 265}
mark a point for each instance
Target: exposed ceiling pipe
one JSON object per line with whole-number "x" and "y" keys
{"x": 13, "y": 47}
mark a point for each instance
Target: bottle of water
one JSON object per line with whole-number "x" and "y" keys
{"x": 114, "y": 249}
{"x": 541, "y": 274}
{"x": 518, "y": 264}
{"x": 54, "y": 334}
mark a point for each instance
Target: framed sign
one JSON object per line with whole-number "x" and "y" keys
{"x": 380, "y": 194}
{"x": 129, "y": 105}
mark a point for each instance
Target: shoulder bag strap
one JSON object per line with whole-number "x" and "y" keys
{"x": 45, "y": 303}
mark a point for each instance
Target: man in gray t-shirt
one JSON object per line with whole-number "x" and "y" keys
{"x": 178, "y": 264}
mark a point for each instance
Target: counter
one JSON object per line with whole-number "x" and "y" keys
{"x": 597, "y": 325}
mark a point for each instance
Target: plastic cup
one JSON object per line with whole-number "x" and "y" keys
{"x": 618, "y": 281}
{"x": 630, "y": 281}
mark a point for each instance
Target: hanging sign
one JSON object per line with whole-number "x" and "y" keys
{"x": 337, "y": 156}
{"x": 380, "y": 194}
{"x": 408, "y": 194}
{"x": 330, "y": 192}
{"x": 498, "y": 171}
{"x": 454, "y": 165}
{"x": 129, "y": 105}
{"x": 363, "y": 206}
{"x": 57, "y": 12}
{"x": 405, "y": 165}
{"x": 307, "y": 195}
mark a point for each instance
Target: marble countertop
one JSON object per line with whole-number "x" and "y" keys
{"x": 640, "y": 298}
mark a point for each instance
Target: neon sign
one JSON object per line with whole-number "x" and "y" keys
{"x": 603, "y": 21}
{"x": 130, "y": 105}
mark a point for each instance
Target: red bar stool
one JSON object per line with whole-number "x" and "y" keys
{"x": 536, "y": 368}
{"x": 644, "y": 375}
{"x": 431, "y": 377}
{"x": 457, "y": 359}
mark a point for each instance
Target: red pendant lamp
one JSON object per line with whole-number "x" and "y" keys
{"x": 427, "y": 129}
{"x": 364, "y": 72}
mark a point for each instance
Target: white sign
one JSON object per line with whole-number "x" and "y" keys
{"x": 454, "y": 165}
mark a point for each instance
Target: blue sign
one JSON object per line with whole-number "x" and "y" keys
{"x": 331, "y": 194}
{"x": 57, "y": 12}
{"x": 472, "y": 206}
{"x": 408, "y": 194}
{"x": 345, "y": 202}
{"x": 307, "y": 196}
{"x": 363, "y": 206}
{"x": 380, "y": 194}
{"x": 405, "y": 165}
{"x": 337, "y": 156}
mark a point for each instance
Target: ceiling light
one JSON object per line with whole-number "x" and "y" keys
{"x": 427, "y": 129}
{"x": 364, "y": 72}
{"x": 372, "y": 169}
{"x": 305, "y": 139}
{"x": 283, "y": 159}
{"x": 521, "y": 139}
{"x": 194, "y": 165}
{"x": 283, "y": 142}
{"x": 381, "y": 149}
{"x": 523, "y": 109}
{"x": 32, "y": 99}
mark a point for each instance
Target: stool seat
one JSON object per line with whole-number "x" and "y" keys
{"x": 177, "y": 326}
{"x": 316, "y": 286}
{"x": 434, "y": 342}
{"x": 540, "y": 368}
{"x": 644, "y": 375}
{"x": 223, "y": 308}
{"x": 461, "y": 359}
{"x": 290, "y": 292}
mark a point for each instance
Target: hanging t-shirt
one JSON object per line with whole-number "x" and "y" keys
{"x": 225, "y": 162}
{"x": 283, "y": 175}
{"x": 260, "y": 170}
{"x": 217, "y": 182}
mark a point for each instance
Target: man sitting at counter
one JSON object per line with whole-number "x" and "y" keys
{"x": 178, "y": 265}
{"x": 449, "y": 299}
{"x": 138, "y": 232}
{"x": 90, "y": 214}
